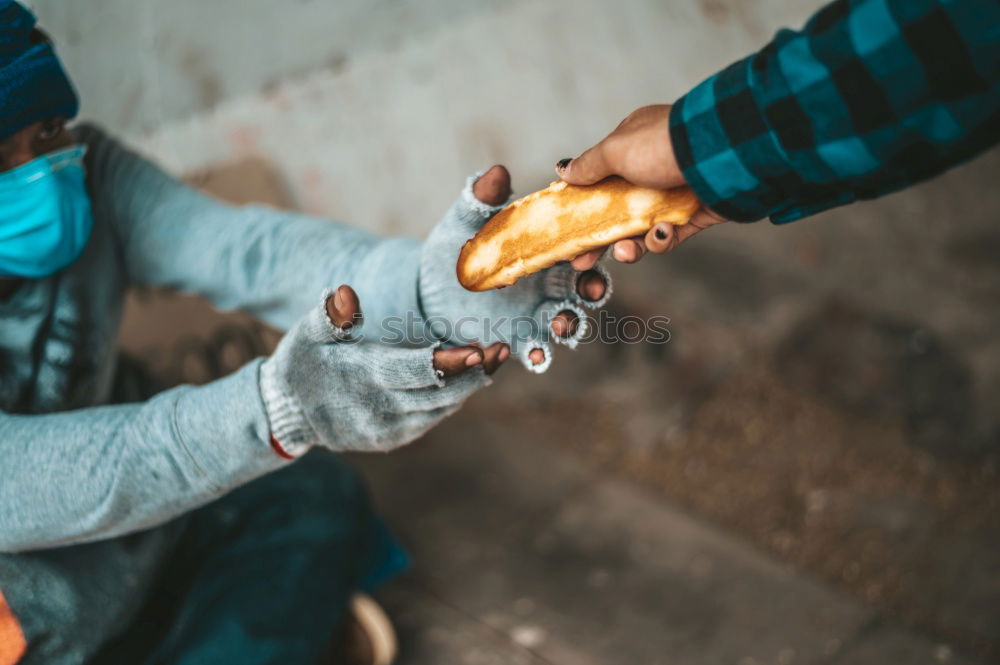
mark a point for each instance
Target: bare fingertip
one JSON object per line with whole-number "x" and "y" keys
{"x": 504, "y": 353}
{"x": 493, "y": 187}
{"x": 536, "y": 356}
{"x": 591, "y": 286}
{"x": 565, "y": 323}
{"x": 342, "y": 307}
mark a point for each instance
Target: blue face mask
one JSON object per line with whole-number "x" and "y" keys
{"x": 45, "y": 218}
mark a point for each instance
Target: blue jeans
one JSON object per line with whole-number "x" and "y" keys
{"x": 262, "y": 575}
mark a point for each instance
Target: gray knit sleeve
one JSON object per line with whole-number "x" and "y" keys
{"x": 101, "y": 472}
{"x": 268, "y": 262}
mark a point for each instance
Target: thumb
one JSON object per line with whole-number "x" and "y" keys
{"x": 337, "y": 318}
{"x": 484, "y": 195}
{"x": 586, "y": 169}
{"x": 343, "y": 308}
{"x": 493, "y": 187}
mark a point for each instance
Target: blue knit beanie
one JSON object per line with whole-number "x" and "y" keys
{"x": 33, "y": 85}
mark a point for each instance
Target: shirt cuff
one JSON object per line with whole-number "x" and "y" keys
{"x": 724, "y": 147}
{"x": 290, "y": 434}
{"x": 727, "y": 146}
{"x": 224, "y": 428}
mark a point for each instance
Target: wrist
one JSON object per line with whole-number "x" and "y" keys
{"x": 726, "y": 174}
{"x": 387, "y": 285}
{"x": 290, "y": 433}
{"x": 438, "y": 280}
{"x": 672, "y": 168}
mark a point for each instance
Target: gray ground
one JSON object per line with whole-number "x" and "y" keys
{"x": 805, "y": 473}
{"x": 524, "y": 555}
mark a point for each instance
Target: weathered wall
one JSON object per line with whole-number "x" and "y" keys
{"x": 145, "y": 63}
{"x": 375, "y": 111}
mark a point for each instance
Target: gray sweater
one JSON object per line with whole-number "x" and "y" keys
{"x": 75, "y": 469}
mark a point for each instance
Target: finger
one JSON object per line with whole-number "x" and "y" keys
{"x": 591, "y": 286}
{"x": 476, "y": 203}
{"x": 343, "y": 307}
{"x": 586, "y": 169}
{"x": 416, "y": 424}
{"x": 449, "y": 395}
{"x": 666, "y": 237}
{"x": 565, "y": 324}
{"x": 494, "y": 356}
{"x": 401, "y": 368}
{"x": 629, "y": 250}
{"x": 452, "y": 362}
{"x": 588, "y": 260}
{"x": 661, "y": 238}
{"x": 493, "y": 187}
{"x": 559, "y": 282}
{"x": 536, "y": 356}
{"x": 338, "y": 316}
{"x": 562, "y": 283}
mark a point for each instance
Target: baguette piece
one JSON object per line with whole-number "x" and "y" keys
{"x": 561, "y": 222}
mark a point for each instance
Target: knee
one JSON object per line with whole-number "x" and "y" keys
{"x": 322, "y": 497}
{"x": 323, "y": 482}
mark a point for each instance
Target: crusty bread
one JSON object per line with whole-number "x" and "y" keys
{"x": 561, "y": 222}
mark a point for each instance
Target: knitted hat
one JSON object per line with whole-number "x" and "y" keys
{"x": 33, "y": 85}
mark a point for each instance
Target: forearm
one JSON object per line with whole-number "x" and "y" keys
{"x": 275, "y": 264}
{"x": 102, "y": 472}
{"x": 280, "y": 263}
{"x": 269, "y": 262}
{"x": 870, "y": 97}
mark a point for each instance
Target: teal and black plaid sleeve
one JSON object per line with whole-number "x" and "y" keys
{"x": 869, "y": 97}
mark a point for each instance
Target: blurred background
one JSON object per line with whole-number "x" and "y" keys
{"x": 805, "y": 473}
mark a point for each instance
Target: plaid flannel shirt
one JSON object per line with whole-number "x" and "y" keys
{"x": 869, "y": 97}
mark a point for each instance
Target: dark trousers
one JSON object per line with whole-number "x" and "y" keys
{"x": 263, "y": 575}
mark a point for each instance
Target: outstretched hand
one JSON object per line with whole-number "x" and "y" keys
{"x": 493, "y": 188}
{"x": 544, "y": 307}
{"x": 640, "y": 151}
{"x": 325, "y": 385}
{"x": 344, "y": 310}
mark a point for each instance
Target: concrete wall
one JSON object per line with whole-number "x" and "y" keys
{"x": 375, "y": 111}
{"x": 145, "y": 63}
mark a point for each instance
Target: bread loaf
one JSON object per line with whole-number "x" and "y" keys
{"x": 561, "y": 222}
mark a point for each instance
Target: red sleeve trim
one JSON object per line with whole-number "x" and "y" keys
{"x": 280, "y": 450}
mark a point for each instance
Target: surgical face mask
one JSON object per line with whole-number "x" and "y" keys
{"x": 45, "y": 218}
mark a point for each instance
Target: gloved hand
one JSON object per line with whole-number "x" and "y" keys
{"x": 325, "y": 386}
{"x": 543, "y": 306}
